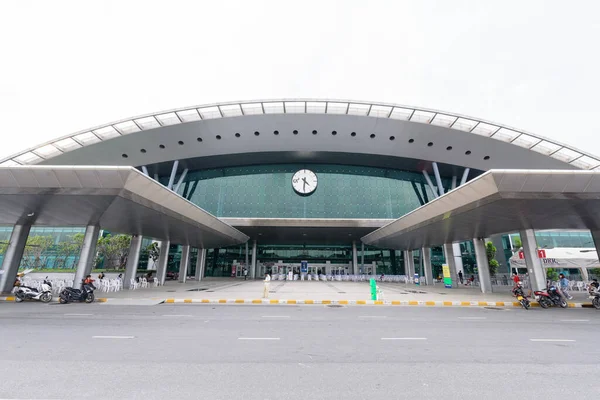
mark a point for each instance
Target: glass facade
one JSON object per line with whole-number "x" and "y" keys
{"x": 342, "y": 192}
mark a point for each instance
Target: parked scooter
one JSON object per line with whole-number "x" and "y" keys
{"x": 520, "y": 295}
{"x": 550, "y": 297}
{"x": 85, "y": 294}
{"x": 28, "y": 293}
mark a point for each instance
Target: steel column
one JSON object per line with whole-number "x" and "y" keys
{"x": 86, "y": 257}
{"x": 253, "y": 270}
{"x": 200, "y": 263}
{"x": 173, "y": 173}
{"x": 483, "y": 267}
{"x": 428, "y": 179}
{"x": 464, "y": 176}
{"x": 247, "y": 259}
{"x": 163, "y": 261}
{"x": 145, "y": 170}
{"x": 133, "y": 258}
{"x": 354, "y": 258}
{"x": 426, "y": 257}
{"x": 458, "y": 257}
{"x": 12, "y": 257}
{"x": 184, "y": 263}
{"x": 362, "y": 256}
{"x": 451, "y": 261}
{"x": 181, "y": 178}
{"x": 537, "y": 276}
{"x": 438, "y": 178}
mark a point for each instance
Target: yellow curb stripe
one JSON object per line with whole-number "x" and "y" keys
{"x": 396, "y": 303}
{"x": 379, "y": 302}
{"x": 343, "y": 302}
{"x": 413, "y": 303}
{"x": 274, "y": 301}
{"x": 448, "y": 303}
{"x": 482, "y": 303}
{"x": 309, "y": 302}
{"x": 222, "y": 301}
{"x": 516, "y": 304}
{"x": 291, "y": 301}
{"x": 500, "y": 304}
{"x": 465, "y": 303}
{"x": 170, "y": 301}
{"x": 239, "y": 301}
{"x": 256, "y": 301}
{"x": 205, "y": 301}
{"x": 326, "y": 302}
{"x": 102, "y": 300}
{"x": 361, "y": 302}
{"x": 430, "y": 303}
{"x": 187, "y": 300}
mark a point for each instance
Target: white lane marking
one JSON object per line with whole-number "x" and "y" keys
{"x": 113, "y": 337}
{"x": 403, "y": 338}
{"x": 574, "y": 320}
{"x": 258, "y": 338}
{"x": 303, "y": 365}
{"x": 177, "y": 315}
{"x": 276, "y": 316}
{"x": 372, "y": 316}
{"x": 77, "y": 315}
{"x": 552, "y": 340}
{"x": 471, "y": 317}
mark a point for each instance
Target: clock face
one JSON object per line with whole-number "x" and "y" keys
{"x": 304, "y": 182}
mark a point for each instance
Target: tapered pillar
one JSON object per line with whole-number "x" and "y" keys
{"x": 458, "y": 262}
{"x": 362, "y": 257}
{"x": 163, "y": 261}
{"x": 500, "y": 255}
{"x": 483, "y": 267}
{"x": 247, "y": 265}
{"x": 354, "y": 259}
{"x": 410, "y": 259}
{"x": 200, "y": 263}
{"x": 184, "y": 263}
{"x": 537, "y": 276}
{"x": 133, "y": 258}
{"x": 451, "y": 261}
{"x": 253, "y": 270}
{"x": 426, "y": 257}
{"x": 88, "y": 252}
{"x": 13, "y": 256}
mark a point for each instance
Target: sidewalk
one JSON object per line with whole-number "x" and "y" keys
{"x": 237, "y": 291}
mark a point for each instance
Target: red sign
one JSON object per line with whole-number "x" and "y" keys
{"x": 541, "y": 253}
{"x": 233, "y": 271}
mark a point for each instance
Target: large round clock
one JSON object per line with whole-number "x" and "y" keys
{"x": 304, "y": 182}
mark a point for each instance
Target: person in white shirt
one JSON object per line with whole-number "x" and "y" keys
{"x": 267, "y": 282}
{"x": 245, "y": 274}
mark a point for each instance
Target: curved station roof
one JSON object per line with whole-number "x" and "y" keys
{"x": 304, "y": 130}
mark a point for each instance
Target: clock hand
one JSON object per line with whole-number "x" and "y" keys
{"x": 304, "y": 179}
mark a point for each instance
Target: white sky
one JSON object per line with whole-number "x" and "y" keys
{"x": 70, "y": 65}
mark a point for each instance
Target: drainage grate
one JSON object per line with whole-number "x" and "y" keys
{"x": 495, "y": 308}
{"x": 335, "y": 306}
{"x": 197, "y": 290}
{"x": 342, "y": 292}
{"x": 171, "y": 291}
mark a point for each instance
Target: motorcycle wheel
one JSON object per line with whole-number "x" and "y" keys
{"x": 90, "y": 298}
{"x": 525, "y": 304}
{"x": 46, "y": 298}
{"x": 545, "y": 302}
{"x": 18, "y": 299}
{"x": 596, "y": 303}
{"x": 62, "y": 300}
{"x": 563, "y": 303}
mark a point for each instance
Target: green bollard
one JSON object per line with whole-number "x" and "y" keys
{"x": 373, "y": 289}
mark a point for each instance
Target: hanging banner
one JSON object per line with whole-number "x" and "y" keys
{"x": 447, "y": 277}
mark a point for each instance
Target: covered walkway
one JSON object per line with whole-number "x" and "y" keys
{"x": 499, "y": 201}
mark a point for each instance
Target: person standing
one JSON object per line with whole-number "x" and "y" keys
{"x": 245, "y": 273}
{"x": 564, "y": 286}
{"x": 267, "y": 283}
{"x": 460, "y": 277}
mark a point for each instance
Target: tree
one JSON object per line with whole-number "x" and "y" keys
{"x": 517, "y": 244}
{"x": 153, "y": 252}
{"x": 35, "y": 254}
{"x": 114, "y": 250}
{"x": 490, "y": 251}
{"x": 551, "y": 274}
{"x": 71, "y": 247}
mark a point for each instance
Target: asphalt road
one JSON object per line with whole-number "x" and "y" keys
{"x": 286, "y": 352}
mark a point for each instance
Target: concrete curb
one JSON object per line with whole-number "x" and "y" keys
{"x": 54, "y": 299}
{"x": 362, "y": 302}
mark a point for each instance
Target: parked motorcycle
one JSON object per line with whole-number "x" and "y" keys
{"x": 550, "y": 297}
{"x": 28, "y": 293}
{"x": 595, "y": 296}
{"x": 520, "y": 295}
{"x": 85, "y": 294}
